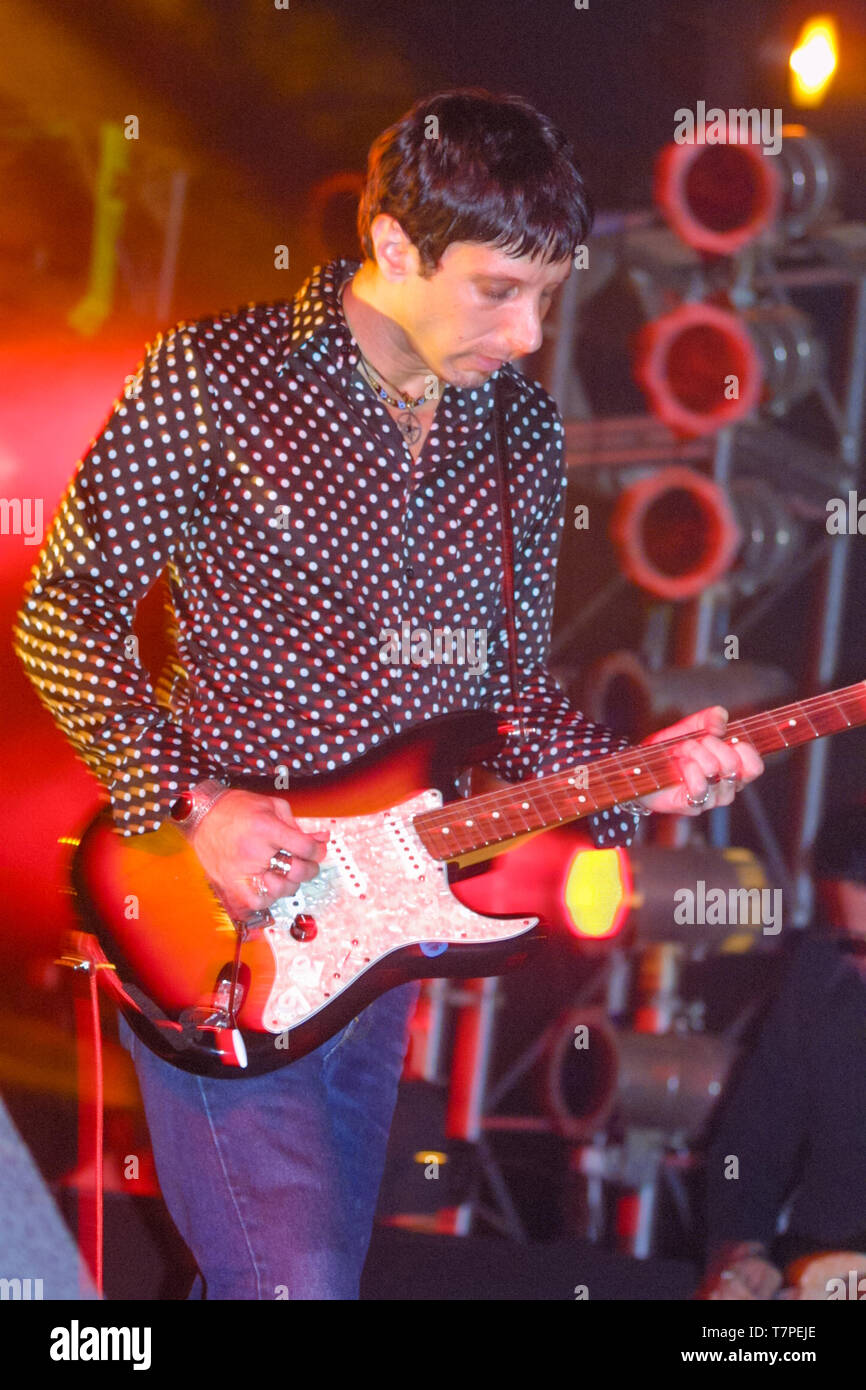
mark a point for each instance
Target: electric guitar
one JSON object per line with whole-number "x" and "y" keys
{"x": 229, "y": 998}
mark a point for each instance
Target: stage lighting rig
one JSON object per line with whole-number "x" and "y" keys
{"x": 719, "y": 197}
{"x": 704, "y": 367}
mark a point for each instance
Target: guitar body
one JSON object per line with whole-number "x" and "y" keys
{"x": 224, "y": 999}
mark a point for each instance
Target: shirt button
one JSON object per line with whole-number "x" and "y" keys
{"x": 409, "y": 572}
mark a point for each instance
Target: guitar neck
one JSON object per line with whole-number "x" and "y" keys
{"x": 482, "y": 826}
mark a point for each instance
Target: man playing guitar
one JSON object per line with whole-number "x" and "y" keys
{"x": 314, "y": 473}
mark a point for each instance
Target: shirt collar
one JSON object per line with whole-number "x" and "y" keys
{"x": 317, "y": 309}
{"x": 317, "y": 312}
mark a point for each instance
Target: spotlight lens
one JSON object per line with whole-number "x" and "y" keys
{"x": 813, "y": 61}
{"x": 596, "y": 892}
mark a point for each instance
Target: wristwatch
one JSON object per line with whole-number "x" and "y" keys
{"x": 193, "y": 804}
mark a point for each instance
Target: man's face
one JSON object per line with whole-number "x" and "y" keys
{"x": 479, "y": 309}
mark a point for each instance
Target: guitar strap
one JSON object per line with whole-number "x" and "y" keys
{"x": 501, "y": 456}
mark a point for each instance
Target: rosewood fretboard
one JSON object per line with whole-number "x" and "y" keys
{"x": 466, "y": 829}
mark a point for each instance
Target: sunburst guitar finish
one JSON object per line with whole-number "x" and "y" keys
{"x": 221, "y": 998}
{"x": 230, "y": 998}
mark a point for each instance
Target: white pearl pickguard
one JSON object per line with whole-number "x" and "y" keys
{"x": 376, "y": 890}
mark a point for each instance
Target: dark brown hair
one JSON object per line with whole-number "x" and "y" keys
{"x": 488, "y": 169}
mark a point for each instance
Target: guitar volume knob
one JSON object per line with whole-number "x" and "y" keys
{"x": 303, "y": 927}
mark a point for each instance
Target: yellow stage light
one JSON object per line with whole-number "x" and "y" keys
{"x": 597, "y": 892}
{"x": 813, "y": 61}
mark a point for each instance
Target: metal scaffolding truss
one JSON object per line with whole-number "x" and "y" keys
{"x": 614, "y": 451}
{"x": 656, "y": 264}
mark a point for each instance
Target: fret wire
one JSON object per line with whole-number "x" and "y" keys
{"x": 554, "y": 797}
{"x": 857, "y": 694}
{"x": 455, "y": 831}
{"x": 646, "y": 766}
{"x": 805, "y": 715}
{"x": 470, "y": 827}
{"x": 763, "y": 741}
{"x": 801, "y": 714}
{"x": 492, "y": 824}
{"x": 583, "y": 796}
{"x": 792, "y": 721}
{"x": 575, "y": 808}
{"x": 779, "y": 728}
{"x": 610, "y": 792}
{"x": 557, "y": 813}
{"x": 753, "y": 731}
{"x": 486, "y": 828}
{"x": 649, "y": 759}
{"x": 578, "y": 800}
{"x": 630, "y": 784}
{"x": 514, "y": 809}
{"x": 842, "y": 712}
{"x": 581, "y": 801}
{"x": 829, "y": 715}
{"x": 667, "y": 767}
{"x": 630, "y": 773}
{"x": 738, "y": 734}
{"x": 502, "y": 830}
{"x": 505, "y": 824}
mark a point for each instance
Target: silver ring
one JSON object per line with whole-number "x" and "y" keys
{"x": 703, "y": 801}
{"x": 281, "y": 862}
{"x": 734, "y": 777}
{"x": 256, "y": 881}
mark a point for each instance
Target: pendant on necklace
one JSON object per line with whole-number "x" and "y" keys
{"x": 410, "y": 426}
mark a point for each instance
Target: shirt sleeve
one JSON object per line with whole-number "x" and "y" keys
{"x": 124, "y": 514}
{"x": 558, "y": 734}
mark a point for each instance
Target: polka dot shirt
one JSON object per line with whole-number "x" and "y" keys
{"x": 307, "y": 556}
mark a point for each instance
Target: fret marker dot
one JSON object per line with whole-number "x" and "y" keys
{"x": 495, "y": 815}
{"x": 445, "y": 830}
{"x": 581, "y": 798}
{"x": 524, "y": 805}
{"x": 635, "y": 769}
{"x": 792, "y": 721}
{"x": 469, "y": 822}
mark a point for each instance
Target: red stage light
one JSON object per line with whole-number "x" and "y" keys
{"x": 699, "y": 368}
{"x": 675, "y": 533}
{"x": 717, "y": 197}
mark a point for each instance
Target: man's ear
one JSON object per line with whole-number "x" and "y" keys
{"x": 395, "y": 256}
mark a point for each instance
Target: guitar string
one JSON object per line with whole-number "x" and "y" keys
{"x": 652, "y": 756}
{"x": 757, "y": 723}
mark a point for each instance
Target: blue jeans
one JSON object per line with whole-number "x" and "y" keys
{"x": 273, "y": 1180}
